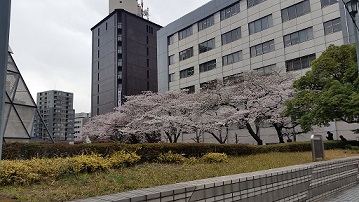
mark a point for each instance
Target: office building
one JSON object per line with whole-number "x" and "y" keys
{"x": 226, "y": 37}
{"x": 80, "y": 120}
{"x": 124, "y": 59}
{"x": 56, "y": 108}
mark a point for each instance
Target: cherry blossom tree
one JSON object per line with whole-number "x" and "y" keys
{"x": 166, "y": 113}
{"x": 253, "y": 99}
{"x": 256, "y": 100}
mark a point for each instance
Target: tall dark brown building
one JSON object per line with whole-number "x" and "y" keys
{"x": 124, "y": 59}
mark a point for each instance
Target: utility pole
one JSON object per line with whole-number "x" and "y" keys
{"x": 4, "y": 45}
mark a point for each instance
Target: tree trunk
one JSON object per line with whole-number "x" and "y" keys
{"x": 219, "y": 139}
{"x": 253, "y": 134}
{"x": 168, "y": 134}
{"x": 279, "y": 132}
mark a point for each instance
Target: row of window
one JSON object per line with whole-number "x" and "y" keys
{"x": 259, "y": 25}
{"x": 291, "y": 65}
{"x": 263, "y": 48}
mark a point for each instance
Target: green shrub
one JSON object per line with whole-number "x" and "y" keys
{"x": 149, "y": 152}
{"x": 170, "y": 157}
{"x": 214, "y": 158}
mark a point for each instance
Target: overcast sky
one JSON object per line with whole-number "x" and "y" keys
{"x": 51, "y": 41}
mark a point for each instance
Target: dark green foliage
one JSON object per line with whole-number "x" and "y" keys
{"x": 150, "y": 152}
{"x": 329, "y": 91}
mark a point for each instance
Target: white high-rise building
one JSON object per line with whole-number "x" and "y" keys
{"x": 80, "y": 120}
{"x": 128, "y": 5}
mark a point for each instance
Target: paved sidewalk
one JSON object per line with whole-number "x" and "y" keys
{"x": 349, "y": 195}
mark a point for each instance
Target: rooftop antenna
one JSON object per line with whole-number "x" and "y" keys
{"x": 145, "y": 12}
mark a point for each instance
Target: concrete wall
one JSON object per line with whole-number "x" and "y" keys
{"x": 307, "y": 182}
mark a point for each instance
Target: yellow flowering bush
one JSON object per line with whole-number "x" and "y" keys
{"x": 170, "y": 157}
{"x": 123, "y": 158}
{"x": 214, "y": 158}
{"x": 88, "y": 163}
{"x": 25, "y": 172}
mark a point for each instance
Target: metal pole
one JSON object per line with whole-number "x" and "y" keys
{"x": 4, "y": 45}
{"x": 356, "y": 41}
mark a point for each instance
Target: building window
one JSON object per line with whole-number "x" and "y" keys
{"x": 171, "y": 59}
{"x": 207, "y": 66}
{"x": 260, "y": 24}
{"x": 189, "y": 89}
{"x": 266, "y": 70}
{"x": 98, "y": 100}
{"x": 148, "y": 62}
{"x": 106, "y": 25}
{"x": 171, "y": 77}
{"x": 97, "y": 111}
{"x": 262, "y": 48}
{"x": 148, "y": 85}
{"x": 209, "y": 85}
{"x": 98, "y": 76}
{"x": 251, "y": 3}
{"x": 185, "y": 54}
{"x": 296, "y": 10}
{"x": 232, "y": 58}
{"x": 98, "y": 32}
{"x": 332, "y": 26}
{"x": 231, "y": 36}
{"x": 205, "y": 23}
{"x": 148, "y": 74}
{"x": 147, "y": 40}
{"x": 186, "y": 72}
{"x": 147, "y": 51}
{"x": 98, "y": 65}
{"x": 185, "y": 33}
{"x": 328, "y": 2}
{"x": 98, "y": 42}
{"x": 230, "y": 11}
{"x": 206, "y": 46}
{"x": 98, "y": 88}
{"x": 170, "y": 39}
{"x": 299, "y": 63}
{"x": 298, "y": 37}
{"x": 98, "y": 53}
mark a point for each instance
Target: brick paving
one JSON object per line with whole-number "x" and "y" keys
{"x": 349, "y": 195}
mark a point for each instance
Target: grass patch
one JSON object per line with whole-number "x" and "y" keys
{"x": 154, "y": 174}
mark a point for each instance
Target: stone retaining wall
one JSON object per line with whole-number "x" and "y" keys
{"x": 307, "y": 182}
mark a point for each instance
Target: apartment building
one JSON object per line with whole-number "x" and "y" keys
{"x": 80, "y": 120}
{"x": 56, "y": 108}
{"x": 226, "y": 37}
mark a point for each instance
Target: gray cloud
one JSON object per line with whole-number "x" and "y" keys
{"x": 52, "y": 41}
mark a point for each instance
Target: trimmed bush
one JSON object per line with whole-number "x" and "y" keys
{"x": 149, "y": 152}
{"x": 214, "y": 158}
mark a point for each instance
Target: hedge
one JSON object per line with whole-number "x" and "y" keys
{"x": 150, "y": 151}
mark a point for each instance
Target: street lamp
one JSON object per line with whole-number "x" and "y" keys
{"x": 352, "y": 8}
